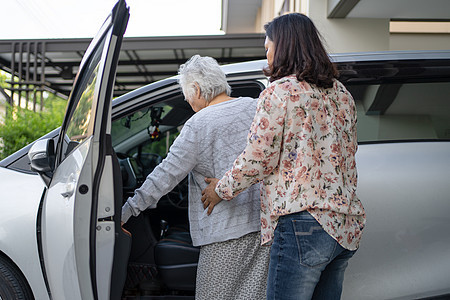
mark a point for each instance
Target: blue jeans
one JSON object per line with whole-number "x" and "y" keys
{"x": 305, "y": 261}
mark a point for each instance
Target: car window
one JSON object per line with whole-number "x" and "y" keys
{"x": 142, "y": 120}
{"x": 402, "y": 111}
{"x": 77, "y": 129}
{"x": 151, "y": 128}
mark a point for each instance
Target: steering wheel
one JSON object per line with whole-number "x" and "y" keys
{"x": 148, "y": 161}
{"x": 178, "y": 197}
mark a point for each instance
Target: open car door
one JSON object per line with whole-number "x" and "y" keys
{"x": 80, "y": 225}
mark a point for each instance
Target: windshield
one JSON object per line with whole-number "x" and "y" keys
{"x": 152, "y": 128}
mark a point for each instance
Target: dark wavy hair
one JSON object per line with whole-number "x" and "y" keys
{"x": 299, "y": 50}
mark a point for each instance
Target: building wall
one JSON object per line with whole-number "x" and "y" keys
{"x": 349, "y": 35}
{"x": 354, "y": 34}
{"x": 419, "y": 41}
{"x": 265, "y": 13}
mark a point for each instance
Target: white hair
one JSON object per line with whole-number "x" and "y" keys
{"x": 207, "y": 74}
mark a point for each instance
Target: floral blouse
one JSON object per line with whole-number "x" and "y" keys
{"x": 302, "y": 146}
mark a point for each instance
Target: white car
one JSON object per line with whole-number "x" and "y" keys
{"x": 61, "y": 196}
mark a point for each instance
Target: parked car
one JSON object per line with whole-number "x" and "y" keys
{"x": 61, "y": 196}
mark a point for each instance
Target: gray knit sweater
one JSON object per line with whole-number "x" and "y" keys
{"x": 207, "y": 146}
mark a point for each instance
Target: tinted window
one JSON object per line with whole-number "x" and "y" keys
{"x": 80, "y": 121}
{"x": 402, "y": 111}
{"x": 151, "y": 127}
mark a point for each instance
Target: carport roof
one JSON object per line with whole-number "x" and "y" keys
{"x": 53, "y": 63}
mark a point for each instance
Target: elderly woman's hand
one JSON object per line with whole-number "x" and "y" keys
{"x": 209, "y": 195}
{"x": 124, "y": 230}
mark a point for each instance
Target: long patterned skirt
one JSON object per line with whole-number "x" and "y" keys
{"x": 234, "y": 269}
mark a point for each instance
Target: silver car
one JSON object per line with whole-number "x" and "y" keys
{"x": 61, "y": 196}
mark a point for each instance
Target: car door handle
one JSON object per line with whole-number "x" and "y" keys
{"x": 69, "y": 187}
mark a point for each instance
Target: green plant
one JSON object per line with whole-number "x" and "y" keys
{"x": 22, "y": 126}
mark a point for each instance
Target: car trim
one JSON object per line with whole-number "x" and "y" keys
{"x": 40, "y": 244}
{"x": 404, "y": 141}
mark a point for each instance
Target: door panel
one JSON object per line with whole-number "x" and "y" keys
{"x": 79, "y": 215}
{"x": 58, "y": 227}
{"x": 105, "y": 231}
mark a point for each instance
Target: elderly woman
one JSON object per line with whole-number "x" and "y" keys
{"x": 232, "y": 263}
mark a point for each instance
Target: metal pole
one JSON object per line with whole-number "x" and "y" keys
{"x": 20, "y": 71}
{"x": 13, "y": 70}
{"x": 42, "y": 74}
{"x": 27, "y": 75}
{"x": 35, "y": 63}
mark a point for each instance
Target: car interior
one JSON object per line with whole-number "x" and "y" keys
{"x": 162, "y": 261}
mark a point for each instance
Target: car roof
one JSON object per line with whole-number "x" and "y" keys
{"x": 391, "y": 55}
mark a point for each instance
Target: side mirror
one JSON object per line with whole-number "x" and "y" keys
{"x": 42, "y": 158}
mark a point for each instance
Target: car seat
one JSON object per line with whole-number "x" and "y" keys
{"x": 177, "y": 259}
